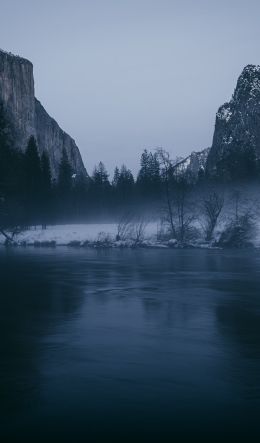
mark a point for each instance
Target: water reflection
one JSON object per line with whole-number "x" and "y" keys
{"x": 150, "y": 344}
{"x": 35, "y": 297}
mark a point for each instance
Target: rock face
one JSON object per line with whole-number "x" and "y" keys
{"x": 28, "y": 116}
{"x": 193, "y": 164}
{"x": 238, "y": 122}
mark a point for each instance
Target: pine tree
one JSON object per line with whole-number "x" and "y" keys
{"x": 65, "y": 174}
{"x": 46, "y": 188}
{"x": 100, "y": 189}
{"x": 64, "y": 186}
{"x": 46, "y": 173}
{"x": 148, "y": 178}
{"x": 116, "y": 177}
{"x": 33, "y": 165}
{"x": 100, "y": 177}
{"x": 125, "y": 183}
{"x": 143, "y": 174}
{"x": 79, "y": 197}
{"x": 11, "y": 176}
{"x": 33, "y": 180}
{"x": 238, "y": 163}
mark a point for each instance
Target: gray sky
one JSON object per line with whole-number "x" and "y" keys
{"x": 121, "y": 76}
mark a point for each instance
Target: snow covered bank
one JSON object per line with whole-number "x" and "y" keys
{"x": 89, "y": 235}
{"x": 62, "y": 235}
{"x": 102, "y": 235}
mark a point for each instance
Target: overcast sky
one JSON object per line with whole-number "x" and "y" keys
{"x": 123, "y": 75}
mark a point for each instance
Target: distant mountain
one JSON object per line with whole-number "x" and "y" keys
{"x": 235, "y": 149}
{"x": 193, "y": 164}
{"x": 28, "y": 116}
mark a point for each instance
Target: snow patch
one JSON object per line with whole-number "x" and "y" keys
{"x": 255, "y": 87}
{"x": 227, "y": 140}
{"x": 224, "y": 113}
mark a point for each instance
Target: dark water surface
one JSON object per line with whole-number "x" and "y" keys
{"x": 147, "y": 345}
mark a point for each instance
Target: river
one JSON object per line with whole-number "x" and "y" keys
{"x": 129, "y": 345}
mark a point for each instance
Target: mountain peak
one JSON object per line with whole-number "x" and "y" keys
{"x": 251, "y": 69}
{"x": 248, "y": 84}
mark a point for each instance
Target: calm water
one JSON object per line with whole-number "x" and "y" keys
{"x": 131, "y": 345}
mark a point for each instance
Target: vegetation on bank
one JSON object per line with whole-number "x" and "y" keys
{"x": 189, "y": 208}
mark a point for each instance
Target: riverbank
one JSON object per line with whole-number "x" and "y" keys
{"x": 102, "y": 236}
{"x": 93, "y": 236}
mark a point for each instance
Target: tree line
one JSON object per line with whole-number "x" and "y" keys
{"x": 29, "y": 195}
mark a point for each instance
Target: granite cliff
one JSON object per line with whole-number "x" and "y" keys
{"x": 235, "y": 150}
{"x": 28, "y": 116}
{"x": 237, "y": 126}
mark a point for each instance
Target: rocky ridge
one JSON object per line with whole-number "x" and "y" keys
{"x": 193, "y": 164}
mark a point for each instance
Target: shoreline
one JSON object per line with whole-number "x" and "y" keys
{"x": 106, "y": 236}
{"x": 119, "y": 246}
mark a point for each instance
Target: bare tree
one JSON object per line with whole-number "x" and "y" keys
{"x": 239, "y": 232}
{"x": 9, "y": 225}
{"x": 212, "y": 205}
{"x": 124, "y": 227}
{"x": 11, "y": 233}
{"x": 184, "y": 216}
{"x": 167, "y": 172}
{"x": 177, "y": 191}
{"x": 138, "y": 230}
